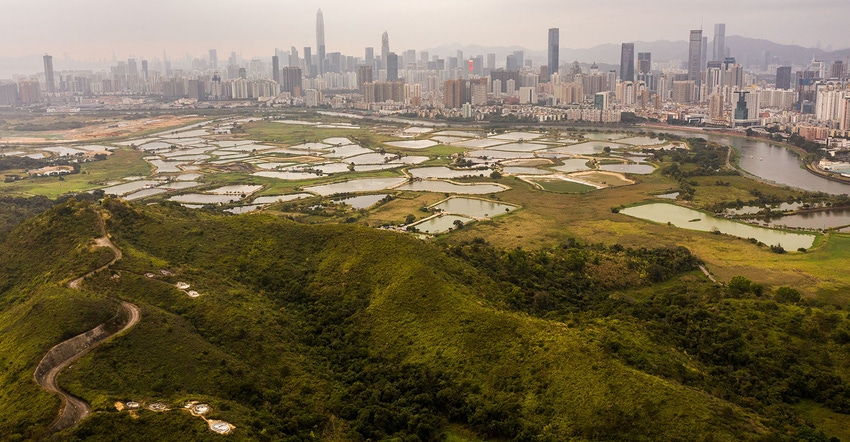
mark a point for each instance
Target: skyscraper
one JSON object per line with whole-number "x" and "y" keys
{"x": 511, "y": 63}
{"x": 838, "y": 71}
{"x": 554, "y": 52}
{"x": 627, "y": 62}
{"x": 309, "y": 67}
{"x": 392, "y": 66}
{"x": 385, "y": 48}
{"x": 48, "y": 74}
{"x": 695, "y": 56}
{"x": 783, "y": 77}
{"x": 276, "y": 68}
{"x": 644, "y": 62}
{"x": 370, "y": 56}
{"x": 320, "y": 42}
{"x": 213, "y": 59}
{"x": 520, "y": 58}
{"x": 719, "y": 42}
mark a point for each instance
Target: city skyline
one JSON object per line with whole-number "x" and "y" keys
{"x": 188, "y": 27}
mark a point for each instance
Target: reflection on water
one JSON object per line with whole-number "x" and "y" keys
{"x": 473, "y": 207}
{"x": 686, "y": 218}
{"x": 440, "y": 224}
{"x": 819, "y": 219}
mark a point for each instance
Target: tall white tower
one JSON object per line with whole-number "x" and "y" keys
{"x": 320, "y": 42}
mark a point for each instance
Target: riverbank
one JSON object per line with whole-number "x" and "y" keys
{"x": 811, "y": 167}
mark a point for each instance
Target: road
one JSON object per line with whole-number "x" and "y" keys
{"x": 65, "y": 353}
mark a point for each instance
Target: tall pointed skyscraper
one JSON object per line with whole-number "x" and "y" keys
{"x": 320, "y": 42}
{"x": 385, "y": 48}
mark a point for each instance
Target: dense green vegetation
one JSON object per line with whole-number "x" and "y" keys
{"x": 15, "y": 210}
{"x": 341, "y": 332}
{"x": 37, "y": 312}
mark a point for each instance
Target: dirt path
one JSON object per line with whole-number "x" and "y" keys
{"x": 65, "y": 353}
{"x": 708, "y": 274}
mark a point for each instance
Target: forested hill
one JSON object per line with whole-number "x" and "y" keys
{"x": 347, "y": 333}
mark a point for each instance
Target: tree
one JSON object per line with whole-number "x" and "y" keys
{"x": 410, "y": 218}
{"x": 495, "y": 174}
{"x": 739, "y": 285}
{"x": 458, "y": 224}
{"x": 787, "y": 295}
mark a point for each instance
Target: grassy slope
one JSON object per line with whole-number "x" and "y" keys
{"x": 37, "y": 311}
{"x": 423, "y": 309}
{"x": 549, "y": 372}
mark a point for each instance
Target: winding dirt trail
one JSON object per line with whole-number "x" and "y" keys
{"x": 65, "y": 353}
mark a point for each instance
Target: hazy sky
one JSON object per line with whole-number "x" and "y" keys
{"x": 95, "y": 29}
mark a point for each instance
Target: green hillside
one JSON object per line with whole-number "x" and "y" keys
{"x": 340, "y": 332}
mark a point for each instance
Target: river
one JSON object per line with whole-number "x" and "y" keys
{"x": 771, "y": 162}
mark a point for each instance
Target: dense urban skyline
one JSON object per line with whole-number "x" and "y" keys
{"x": 257, "y": 27}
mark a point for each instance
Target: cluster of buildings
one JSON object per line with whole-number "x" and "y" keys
{"x": 709, "y": 88}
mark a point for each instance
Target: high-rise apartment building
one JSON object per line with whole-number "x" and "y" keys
{"x": 844, "y": 124}
{"x": 502, "y": 76}
{"x": 30, "y": 91}
{"x": 719, "y": 51}
{"x": 276, "y": 69}
{"x": 839, "y": 70}
{"x": 458, "y": 92}
{"x": 695, "y": 56}
{"x": 627, "y": 62}
{"x": 364, "y": 75}
{"x": 554, "y": 52}
{"x": 746, "y": 108}
{"x": 8, "y": 94}
{"x": 320, "y": 42}
{"x": 49, "y": 80}
{"x": 291, "y": 80}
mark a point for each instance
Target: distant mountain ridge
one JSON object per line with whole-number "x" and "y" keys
{"x": 747, "y": 51}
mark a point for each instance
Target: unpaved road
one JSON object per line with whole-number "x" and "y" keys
{"x": 65, "y": 353}
{"x": 103, "y": 241}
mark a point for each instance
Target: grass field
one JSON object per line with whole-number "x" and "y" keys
{"x": 562, "y": 186}
{"x": 122, "y": 163}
